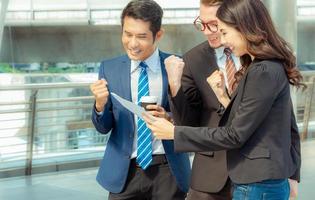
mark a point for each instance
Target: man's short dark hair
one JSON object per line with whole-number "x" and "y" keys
{"x": 146, "y": 10}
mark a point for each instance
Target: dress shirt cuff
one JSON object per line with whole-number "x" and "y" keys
{"x": 98, "y": 113}
{"x": 220, "y": 110}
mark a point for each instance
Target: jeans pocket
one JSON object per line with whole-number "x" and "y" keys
{"x": 270, "y": 196}
{"x": 278, "y": 192}
{"x": 240, "y": 192}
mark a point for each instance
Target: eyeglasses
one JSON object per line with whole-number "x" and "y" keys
{"x": 201, "y": 26}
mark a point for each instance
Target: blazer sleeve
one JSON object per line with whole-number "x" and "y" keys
{"x": 105, "y": 121}
{"x": 255, "y": 104}
{"x": 295, "y": 147}
{"x": 186, "y": 105}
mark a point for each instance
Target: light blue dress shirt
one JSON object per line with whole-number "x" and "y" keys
{"x": 155, "y": 87}
{"x": 221, "y": 59}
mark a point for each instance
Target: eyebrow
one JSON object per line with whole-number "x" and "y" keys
{"x": 209, "y": 22}
{"x": 139, "y": 34}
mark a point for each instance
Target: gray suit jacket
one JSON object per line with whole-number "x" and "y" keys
{"x": 258, "y": 128}
{"x": 196, "y": 105}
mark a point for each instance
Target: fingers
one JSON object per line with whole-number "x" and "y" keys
{"x": 101, "y": 93}
{"x": 148, "y": 118}
{"x": 99, "y": 88}
{"x": 174, "y": 61}
{"x": 151, "y": 107}
{"x": 216, "y": 78}
{"x": 156, "y": 110}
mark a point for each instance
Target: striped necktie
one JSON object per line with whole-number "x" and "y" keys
{"x": 230, "y": 70}
{"x": 144, "y": 141}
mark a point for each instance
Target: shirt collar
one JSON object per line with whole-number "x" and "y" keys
{"x": 152, "y": 61}
{"x": 220, "y": 52}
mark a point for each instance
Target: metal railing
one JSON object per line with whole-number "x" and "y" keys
{"x": 307, "y": 106}
{"x": 50, "y": 125}
{"x": 47, "y": 124}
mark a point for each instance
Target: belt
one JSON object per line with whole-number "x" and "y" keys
{"x": 156, "y": 160}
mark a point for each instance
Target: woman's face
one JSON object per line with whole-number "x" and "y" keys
{"x": 233, "y": 39}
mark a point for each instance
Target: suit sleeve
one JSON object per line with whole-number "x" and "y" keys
{"x": 104, "y": 122}
{"x": 295, "y": 147}
{"x": 187, "y": 104}
{"x": 255, "y": 104}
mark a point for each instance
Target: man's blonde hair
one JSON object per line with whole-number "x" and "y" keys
{"x": 211, "y": 2}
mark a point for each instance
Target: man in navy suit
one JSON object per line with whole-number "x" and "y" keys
{"x": 166, "y": 175}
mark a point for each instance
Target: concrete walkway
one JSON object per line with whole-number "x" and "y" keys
{"x": 81, "y": 184}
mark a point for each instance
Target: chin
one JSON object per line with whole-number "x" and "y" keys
{"x": 133, "y": 57}
{"x": 215, "y": 44}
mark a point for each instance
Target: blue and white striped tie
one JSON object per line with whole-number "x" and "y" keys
{"x": 144, "y": 141}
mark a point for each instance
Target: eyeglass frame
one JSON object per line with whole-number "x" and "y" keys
{"x": 212, "y": 23}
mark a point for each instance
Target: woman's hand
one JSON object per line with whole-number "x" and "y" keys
{"x": 216, "y": 82}
{"x": 293, "y": 188}
{"x": 160, "y": 127}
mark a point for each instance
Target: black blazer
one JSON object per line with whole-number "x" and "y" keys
{"x": 196, "y": 105}
{"x": 258, "y": 128}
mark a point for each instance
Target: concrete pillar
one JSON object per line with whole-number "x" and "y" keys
{"x": 284, "y": 16}
{"x": 3, "y": 11}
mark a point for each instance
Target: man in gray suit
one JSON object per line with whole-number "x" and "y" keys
{"x": 193, "y": 103}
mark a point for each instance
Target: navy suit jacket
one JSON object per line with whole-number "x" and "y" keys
{"x": 114, "y": 167}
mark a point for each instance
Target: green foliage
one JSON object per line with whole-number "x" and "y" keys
{"x": 7, "y": 68}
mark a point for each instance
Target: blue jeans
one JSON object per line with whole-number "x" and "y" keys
{"x": 265, "y": 190}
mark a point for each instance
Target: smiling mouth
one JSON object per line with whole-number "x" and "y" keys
{"x": 214, "y": 38}
{"x": 134, "y": 52}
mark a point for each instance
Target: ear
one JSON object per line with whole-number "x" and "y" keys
{"x": 159, "y": 34}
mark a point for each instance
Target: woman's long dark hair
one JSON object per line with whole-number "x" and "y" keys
{"x": 252, "y": 19}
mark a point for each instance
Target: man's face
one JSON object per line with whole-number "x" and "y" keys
{"x": 207, "y": 14}
{"x": 137, "y": 39}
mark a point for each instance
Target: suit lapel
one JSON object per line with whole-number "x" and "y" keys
{"x": 164, "y": 79}
{"x": 233, "y": 95}
{"x": 238, "y": 90}
{"x": 125, "y": 77}
{"x": 125, "y": 82}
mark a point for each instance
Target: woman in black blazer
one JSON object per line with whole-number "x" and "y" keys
{"x": 258, "y": 126}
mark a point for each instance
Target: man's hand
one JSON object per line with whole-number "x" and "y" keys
{"x": 158, "y": 111}
{"x": 216, "y": 82}
{"x": 174, "y": 68}
{"x": 100, "y": 92}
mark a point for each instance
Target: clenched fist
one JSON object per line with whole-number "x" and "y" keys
{"x": 174, "y": 68}
{"x": 100, "y": 92}
{"x": 216, "y": 82}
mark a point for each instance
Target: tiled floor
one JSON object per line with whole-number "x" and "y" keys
{"x": 70, "y": 185}
{"x": 81, "y": 184}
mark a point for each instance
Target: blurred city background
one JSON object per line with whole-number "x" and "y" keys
{"x": 49, "y": 54}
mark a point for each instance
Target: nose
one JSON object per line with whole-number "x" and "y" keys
{"x": 223, "y": 41}
{"x": 133, "y": 42}
{"x": 207, "y": 32}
